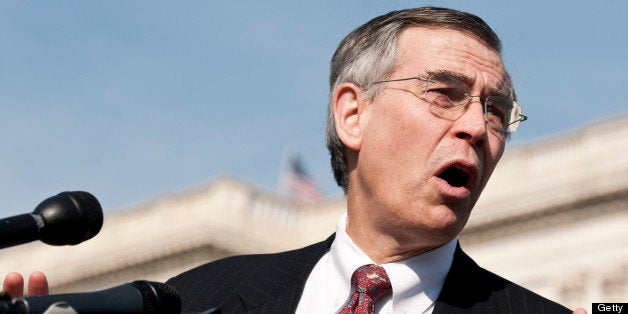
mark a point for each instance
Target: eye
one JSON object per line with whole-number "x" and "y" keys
{"x": 454, "y": 94}
{"x": 495, "y": 111}
{"x": 498, "y": 110}
{"x": 446, "y": 95}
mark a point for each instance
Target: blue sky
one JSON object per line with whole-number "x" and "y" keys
{"x": 133, "y": 99}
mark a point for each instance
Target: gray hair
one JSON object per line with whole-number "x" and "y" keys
{"x": 368, "y": 54}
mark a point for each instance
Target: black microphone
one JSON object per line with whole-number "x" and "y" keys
{"x": 136, "y": 297}
{"x": 67, "y": 218}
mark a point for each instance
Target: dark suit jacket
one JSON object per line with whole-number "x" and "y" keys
{"x": 273, "y": 283}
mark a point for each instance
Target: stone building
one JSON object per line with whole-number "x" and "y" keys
{"x": 553, "y": 218}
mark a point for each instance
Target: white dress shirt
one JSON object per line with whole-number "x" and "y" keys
{"x": 416, "y": 281}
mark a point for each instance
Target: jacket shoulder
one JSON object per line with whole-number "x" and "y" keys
{"x": 222, "y": 283}
{"x": 470, "y": 288}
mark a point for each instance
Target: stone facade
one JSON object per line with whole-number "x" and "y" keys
{"x": 553, "y": 218}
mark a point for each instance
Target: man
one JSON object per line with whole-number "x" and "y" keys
{"x": 420, "y": 109}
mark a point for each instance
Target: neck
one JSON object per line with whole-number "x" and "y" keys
{"x": 385, "y": 248}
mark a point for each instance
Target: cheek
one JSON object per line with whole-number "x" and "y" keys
{"x": 400, "y": 146}
{"x": 401, "y": 133}
{"x": 494, "y": 153}
{"x": 497, "y": 149}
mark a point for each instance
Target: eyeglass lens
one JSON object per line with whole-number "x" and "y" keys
{"x": 449, "y": 97}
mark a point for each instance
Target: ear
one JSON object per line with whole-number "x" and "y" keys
{"x": 345, "y": 105}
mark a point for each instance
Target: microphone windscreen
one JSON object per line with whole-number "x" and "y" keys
{"x": 93, "y": 209}
{"x": 158, "y": 297}
{"x": 69, "y": 218}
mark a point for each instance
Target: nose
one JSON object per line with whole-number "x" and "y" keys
{"x": 471, "y": 126}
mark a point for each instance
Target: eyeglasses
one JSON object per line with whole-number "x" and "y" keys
{"x": 449, "y": 98}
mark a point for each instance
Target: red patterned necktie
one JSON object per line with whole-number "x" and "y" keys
{"x": 370, "y": 283}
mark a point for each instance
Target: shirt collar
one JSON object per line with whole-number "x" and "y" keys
{"x": 416, "y": 281}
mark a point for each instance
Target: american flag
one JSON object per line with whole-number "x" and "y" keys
{"x": 300, "y": 185}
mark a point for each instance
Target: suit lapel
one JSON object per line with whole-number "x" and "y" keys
{"x": 471, "y": 289}
{"x": 278, "y": 286}
{"x": 467, "y": 288}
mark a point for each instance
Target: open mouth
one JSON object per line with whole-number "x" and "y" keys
{"x": 455, "y": 176}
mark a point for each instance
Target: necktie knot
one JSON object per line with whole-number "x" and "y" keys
{"x": 371, "y": 280}
{"x": 370, "y": 283}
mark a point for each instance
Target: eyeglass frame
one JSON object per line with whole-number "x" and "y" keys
{"x": 520, "y": 117}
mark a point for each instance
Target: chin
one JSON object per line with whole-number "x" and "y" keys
{"x": 446, "y": 223}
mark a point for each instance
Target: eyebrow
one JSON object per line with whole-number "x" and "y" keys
{"x": 501, "y": 90}
{"x": 448, "y": 75}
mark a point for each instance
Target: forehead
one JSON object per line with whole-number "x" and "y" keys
{"x": 422, "y": 50}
